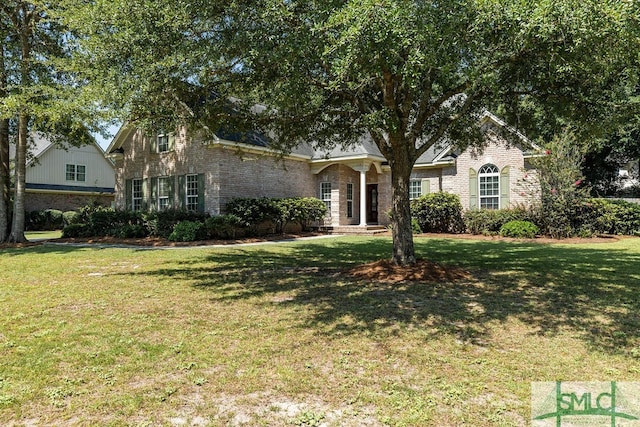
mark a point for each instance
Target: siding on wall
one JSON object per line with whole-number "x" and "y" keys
{"x": 51, "y": 167}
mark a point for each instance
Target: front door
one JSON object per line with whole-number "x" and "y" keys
{"x": 372, "y": 203}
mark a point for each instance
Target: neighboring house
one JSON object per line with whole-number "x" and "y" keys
{"x": 65, "y": 177}
{"x": 178, "y": 171}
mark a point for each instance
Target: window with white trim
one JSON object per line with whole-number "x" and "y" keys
{"x": 163, "y": 142}
{"x": 415, "y": 188}
{"x": 76, "y": 173}
{"x": 136, "y": 194}
{"x": 349, "y": 200}
{"x": 325, "y": 195}
{"x": 163, "y": 193}
{"x": 191, "y": 192}
{"x": 489, "y": 186}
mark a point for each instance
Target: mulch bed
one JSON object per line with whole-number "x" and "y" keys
{"x": 386, "y": 271}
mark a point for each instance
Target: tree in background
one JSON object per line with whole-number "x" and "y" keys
{"x": 38, "y": 93}
{"x": 5, "y": 177}
{"x": 407, "y": 74}
{"x": 607, "y": 156}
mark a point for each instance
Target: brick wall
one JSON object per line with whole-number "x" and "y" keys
{"x": 231, "y": 173}
{"x": 63, "y": 202}
{"x": 455, "y": 179}
{"x": 228, "y": 172}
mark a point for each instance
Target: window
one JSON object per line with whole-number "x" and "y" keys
{"x": 325, "y": 195}
{"x": 163, "y": 143}
{"x": 136, "y": 194}
{"x": 192, "y": 193}
{"x": 415, "y": 188}
{"x": 76, "y": 173}
{"x": 163, "y": 193}
{"x": 349, "y": 200}
{"x": 489, "y": 180}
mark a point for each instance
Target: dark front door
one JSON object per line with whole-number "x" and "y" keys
{"x": 372, "y": 203}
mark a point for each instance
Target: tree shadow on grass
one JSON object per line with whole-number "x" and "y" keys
{"x": 594, "y": 292}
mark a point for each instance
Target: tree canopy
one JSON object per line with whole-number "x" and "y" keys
{"x": 407, "y": 74}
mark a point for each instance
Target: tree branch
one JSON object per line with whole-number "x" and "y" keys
{"x": 439, "y": 133}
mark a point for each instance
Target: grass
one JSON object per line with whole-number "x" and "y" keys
{"x": 277, "y": 335}
{"x": 41, "y": 235}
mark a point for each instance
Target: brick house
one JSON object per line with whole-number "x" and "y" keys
{"x": 179, "y": 171}
{"x": 65, "y": 177}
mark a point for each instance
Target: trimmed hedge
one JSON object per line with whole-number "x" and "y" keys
{"x": 254, "y": 212}
{"x": 586, "y": 218}
{"x": 179, "y": 225}
{"x": 46, "y": 219}
{"x": 161, "y": 223}
{"x": 519, "y": 229}
{"x": 489, "y": 221}
{"x": 223, "y": 227}
{"x": 438, "y": 213}
{"x": 188, "y": 231}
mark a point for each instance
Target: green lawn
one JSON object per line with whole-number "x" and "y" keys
{"x": 277, "y": 335}
{"x": 41, "y": 235}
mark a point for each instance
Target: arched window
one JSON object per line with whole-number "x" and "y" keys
{"x": 489, "y": 180}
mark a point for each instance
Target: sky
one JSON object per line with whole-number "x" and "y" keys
{"x": 104, "y": 142}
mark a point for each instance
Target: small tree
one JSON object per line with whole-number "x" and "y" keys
{"x": 558, "y": 186}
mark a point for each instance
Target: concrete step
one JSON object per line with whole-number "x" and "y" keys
{"x": 355, "y": 229}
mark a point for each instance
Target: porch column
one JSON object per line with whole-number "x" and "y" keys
{"x": 363, "y": 198}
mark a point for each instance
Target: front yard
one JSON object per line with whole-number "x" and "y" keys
{"x": 281, "y": 335}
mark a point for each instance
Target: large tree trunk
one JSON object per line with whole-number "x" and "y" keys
{"x": 5, "y": 178}
{"x": 403, "y": 250}
{"x": 17, "y": 225}
{"x": 24, "y": 23}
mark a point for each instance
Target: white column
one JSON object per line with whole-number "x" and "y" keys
{"x": 363, "y": 198}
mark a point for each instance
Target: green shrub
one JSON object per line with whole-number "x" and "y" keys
{"x": 54, "y": 219}
{"x": 128, "y": 231}
{"x": 76, "y": 230}
{"x": 47, "y": 219}
{"x": 301, "y": 210}
{"x": 489, "y": 221}
{"x": 223, "y": 227}
{"x": 187, "y": 231}
{"x": 604, "y": 216}
{"x": 35, "y": 220}
{"x": 253, "y": 212}
{"x": 70, "y": 217}
{"x": 101, "y": 221}
{"x": 109, "y": 222}
{"x": 415, "y": 227}
{"x": 438, "y": 213}
{"x": 519, "y": 229}
{"x": 161, "y": 223}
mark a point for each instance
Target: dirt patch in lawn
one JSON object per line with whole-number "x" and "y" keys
{"x": 18, "y": 245}
{"x": 423, "y": 271}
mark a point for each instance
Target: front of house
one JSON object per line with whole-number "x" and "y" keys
{"x": 179, "y": 171}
